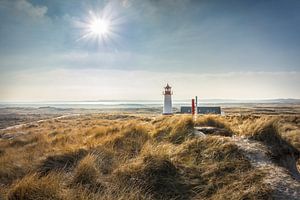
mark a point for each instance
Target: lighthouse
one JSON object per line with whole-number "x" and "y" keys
{"x": 167, "y": 100}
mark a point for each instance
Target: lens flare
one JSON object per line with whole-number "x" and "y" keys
{"x": 101, "y": 26}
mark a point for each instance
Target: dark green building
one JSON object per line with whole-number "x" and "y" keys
{"x": 201, "y": 110}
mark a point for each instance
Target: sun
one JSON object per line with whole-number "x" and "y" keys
{"x": 100, "y": 27}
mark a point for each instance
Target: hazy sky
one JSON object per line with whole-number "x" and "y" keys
{"x": 234, "y": 49}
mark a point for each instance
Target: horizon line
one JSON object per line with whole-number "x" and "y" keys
{"x": 147, "y": 100}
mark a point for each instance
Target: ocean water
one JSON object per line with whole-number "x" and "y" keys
{"x": 89, "y": 104}
{"x": 136, "y": 103}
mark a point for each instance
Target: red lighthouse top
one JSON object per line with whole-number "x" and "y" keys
{"x": 168, "y": 90}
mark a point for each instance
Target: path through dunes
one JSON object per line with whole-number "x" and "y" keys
{"x": 5, "y": 135}
{"x": 285, "y": 182}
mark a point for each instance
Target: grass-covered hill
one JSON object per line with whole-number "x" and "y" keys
{"x": 152, "y": 157}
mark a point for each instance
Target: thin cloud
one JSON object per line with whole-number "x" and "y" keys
{"x": 93, "y": 84}
{"x": 31, "y": 10}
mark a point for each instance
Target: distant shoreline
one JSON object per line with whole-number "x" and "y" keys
{"x": 20, "y": 114}
{"x": 136, "y": 104}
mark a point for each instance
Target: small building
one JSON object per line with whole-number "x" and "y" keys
{"x": 201, "y": 110}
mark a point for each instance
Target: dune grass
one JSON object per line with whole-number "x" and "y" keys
{"x": 140, "y": 157}
{"x": 33, "y": 187}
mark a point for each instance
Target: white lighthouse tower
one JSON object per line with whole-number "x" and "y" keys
{"x": 167, "y": 100}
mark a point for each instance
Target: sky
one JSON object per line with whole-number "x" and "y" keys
{"x": 216, "y": 49}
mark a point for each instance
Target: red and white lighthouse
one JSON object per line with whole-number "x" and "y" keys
{"x": 167, "y": 100}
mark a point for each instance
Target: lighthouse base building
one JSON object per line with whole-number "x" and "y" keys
{"x": 167, "y": 110}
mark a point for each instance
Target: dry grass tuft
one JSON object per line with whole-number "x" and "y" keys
{"x": 129, "y": 141}
{"x": 9, "y": 170}
{"x": 154, "y": 175}
{"x": 105, "y": 159}
{"x": 32, "y": 187}
{"x": 28, "y": 139}
{"x": 289, "y": 128}
{"x": 66, "y": 161}
{"x": 174, "y": 129}
{"x": 87, "y": 174}
{"x": 248, "y": 186}
{"x": 104, "y": 131}
{"x": 212, "y": 120}
{"x": 211, "y": 149}
{"x": 2, "y": 152}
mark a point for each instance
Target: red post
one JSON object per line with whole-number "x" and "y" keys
{"x": 193, "y": 106}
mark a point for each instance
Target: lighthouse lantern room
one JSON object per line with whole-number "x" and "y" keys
{"x": 167, "y": 100}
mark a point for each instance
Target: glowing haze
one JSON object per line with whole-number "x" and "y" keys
{"x": 129, "y": 49}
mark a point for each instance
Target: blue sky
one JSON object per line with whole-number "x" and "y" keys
{"x": 235, "y": 49}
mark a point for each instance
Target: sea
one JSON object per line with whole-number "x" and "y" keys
{"x": 91, "y": 104}
{"x": 101, "y": 104}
